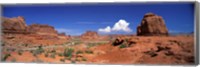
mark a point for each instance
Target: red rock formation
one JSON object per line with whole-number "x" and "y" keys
{"x": 152, "y": 25}
{"x": 15, "y": 31}
{"x": 42, "y": 29}
{"x": 89, "y": 35}
{"x": 14, "y": 25}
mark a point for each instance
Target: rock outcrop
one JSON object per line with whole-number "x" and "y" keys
{"x": 15, "y": 31}
{"x": 42, "y": 29}
{"x": 89, "y": 35}
{"x": 14, "y": 25}
{"x": 152, "y": 25}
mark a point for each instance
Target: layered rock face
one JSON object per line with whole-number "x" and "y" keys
{"x": 14, "y": 25}
{"x": 89, "y": 35}
{"x": 42, "y": 29}
{"x": 15, "y": 31}
{"x": 152, "y": 25}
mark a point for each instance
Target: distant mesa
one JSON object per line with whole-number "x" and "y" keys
{"x": 89, "y": 35}
{"x": 42, "y": 29}
{"x": 152, "y": 25}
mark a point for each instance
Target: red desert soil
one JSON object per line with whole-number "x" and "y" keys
{"x": 43, "y": 44}
{"x": 143, "y": 51}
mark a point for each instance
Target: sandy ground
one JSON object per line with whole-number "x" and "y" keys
{"x": 145, "y": 50}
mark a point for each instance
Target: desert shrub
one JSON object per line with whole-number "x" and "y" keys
{"x": 126, "y": 40}
{"x": 31, "y": 51}
{"x": 46, "y": 54}
{"x": 89, "y": 51}
{"x": 62, "y": 60}
{"x": 25, "y": 45}
{"x": 53, "y": 51}
{"x": 13, "y": 50}
{"x": 53, "y": 55}
{"x": 20, "y": 52}
{"x": 40, "y": 49}
{"x": 60, "y": 54}
{"x": 79, "y": 52}
{"x": 13, "y": 60}
{"x": 34, "y": 54}
{"x": 7, "y": 49}
{"x": 68, "y": 58}
{"x": 38, "y": 61}
{"x": 84, "y": 59}
{"x": 3, "y": 44}
{"x": 68, "y": 52}
{"x": 4, "y": 57}
{"x": 122, "y": 46}
{"x": 94, "y": 44}
{"x": 77, "y": 42}
{"x": 73, "y": 61}
{"x": 76, "y": 59}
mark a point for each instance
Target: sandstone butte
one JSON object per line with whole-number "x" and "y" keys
{"x": 152, "y": 25}
{"x": 90, "y": 35}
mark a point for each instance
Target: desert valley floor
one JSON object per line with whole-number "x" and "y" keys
{"x": 141, "y": 50}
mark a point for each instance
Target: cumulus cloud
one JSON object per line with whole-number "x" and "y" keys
{"x": 121, "y": 25}
{"x": 106, "y": 30}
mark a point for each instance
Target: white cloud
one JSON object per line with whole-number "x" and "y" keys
{"x": 121, "y": 25}
{"x": 106, "y": 30}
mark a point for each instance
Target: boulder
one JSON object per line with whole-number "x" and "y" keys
{"x": 152, "y": 25}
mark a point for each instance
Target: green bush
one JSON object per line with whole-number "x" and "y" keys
{"x": 20, "y": 52}
{"x": 68, "y": 58}
{"x": 39, "y": 50}
{"x": 60, "y": 54}
{"x": 79, "y": 52}
{"x": 46, "y": 54}
{"x": 3, "y": 44}
{"x": 77, "y": 42}
{"x": 84, "y": 59}
{"x": 122, "y": 46}
{"x": 4, "y": 57}
{"x": 73, "y": 61}
{"x": 53, "y": 55}
{"x": 76, "y": 59}
{"x": 89, "y": 51}
{"x": 53, "y": 51}
{"x": 13, "y": 60}
{"x": 62, "y": 60}
{"x": 68, "y": 52}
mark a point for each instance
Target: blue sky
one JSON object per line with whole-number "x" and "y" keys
{"x": 75, "y": 19}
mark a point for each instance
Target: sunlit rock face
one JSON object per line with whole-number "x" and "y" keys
{"x": 152, "y": 25}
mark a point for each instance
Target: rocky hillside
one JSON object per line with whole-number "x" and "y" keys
{"x": 16, "y": 31}
{"x": 42, "y": 29}
{"x": 14, "y": 25}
